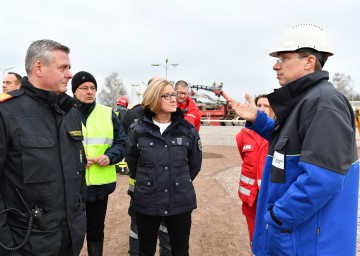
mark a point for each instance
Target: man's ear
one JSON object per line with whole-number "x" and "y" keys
{"x": 310, "y": 63}
{"x": 38, "y": 68}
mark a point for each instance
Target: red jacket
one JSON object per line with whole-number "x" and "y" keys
{"x": 191, "y": 112}
{"x": 253, "y": 149}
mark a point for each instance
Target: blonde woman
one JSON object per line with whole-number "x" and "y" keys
{"x": 163, "y": 153}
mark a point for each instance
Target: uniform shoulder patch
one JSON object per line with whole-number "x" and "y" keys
{"x": 76, "y": 133}
{"x": 4, "y": 96}
{"x": 247, "y": 147}
{"x": 199, "y": 145}
{"x": 136, "y": 121}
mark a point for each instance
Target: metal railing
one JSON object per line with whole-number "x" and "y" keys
{"x": 209, "y": 121}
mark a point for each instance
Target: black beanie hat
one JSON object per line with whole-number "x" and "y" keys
{"x": 80, "y": 78}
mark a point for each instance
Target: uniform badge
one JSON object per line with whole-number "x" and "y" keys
{"x": 75, "y": 133}
{"x": 199, "y": 145}
{"x": 278, "y": 160}
{"x": 246, "y": 147}
{"x": 179, "y": 141}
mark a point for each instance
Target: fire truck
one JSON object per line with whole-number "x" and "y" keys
{"x": 213, "y": 108}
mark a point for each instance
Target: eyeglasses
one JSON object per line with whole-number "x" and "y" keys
{"x": 181, "y": 93}
{"x": 281, "y": 60}
{"x": 168, "y": 96}
{"x": 84, "y": 89}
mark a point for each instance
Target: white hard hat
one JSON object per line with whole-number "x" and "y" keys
{"x": 304, "y": 36}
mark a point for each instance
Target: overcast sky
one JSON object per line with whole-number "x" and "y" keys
{"x": 212, "y": 41}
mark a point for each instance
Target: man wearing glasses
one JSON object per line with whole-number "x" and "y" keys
{"x": 308, "y": 200}
{"x": 104, "y": 144}
{"x": 187, "y": 105}
{"x": 164, "y": 155}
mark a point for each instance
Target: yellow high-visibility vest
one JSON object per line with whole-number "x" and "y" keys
{"x": 98, "y": 136}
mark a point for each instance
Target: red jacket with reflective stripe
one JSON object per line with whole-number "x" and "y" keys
{"x": 253, "y": 149}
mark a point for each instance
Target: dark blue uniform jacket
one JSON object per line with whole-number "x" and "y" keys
{"x": 42, "y": 159}
{"x": 163, "y": 165}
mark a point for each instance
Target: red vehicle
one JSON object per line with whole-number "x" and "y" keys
{"x": 213, "y": 108}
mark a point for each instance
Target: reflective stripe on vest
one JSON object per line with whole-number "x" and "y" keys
{"x": 98, "y": 141}
{"x": 98, "y": 137}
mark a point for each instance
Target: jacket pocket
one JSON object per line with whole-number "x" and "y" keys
{"x": 184, "y": 192}
{"x": 146, "y": 146}
{"x": 143, "y": 190}
{"x": 278, "y": 168}
{"x": 280, "y": 241}
{"x": 180, "y": 146}
{"x": 36, "y": 158}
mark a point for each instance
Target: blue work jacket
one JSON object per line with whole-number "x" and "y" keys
{"x": 308, "y": 200}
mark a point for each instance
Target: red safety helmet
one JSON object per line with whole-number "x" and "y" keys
{"x": 123, "y": 101}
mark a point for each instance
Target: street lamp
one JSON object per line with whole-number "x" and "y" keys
{"x": 4, "y": 71}
{"x": 165, "y": 66}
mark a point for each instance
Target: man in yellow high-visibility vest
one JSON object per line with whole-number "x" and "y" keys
{"x": 104, "y": 144}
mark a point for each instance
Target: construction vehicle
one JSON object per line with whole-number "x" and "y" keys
{"x": 213, "y": 108}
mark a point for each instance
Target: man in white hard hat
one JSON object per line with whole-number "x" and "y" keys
{"x": 308, "y": 199}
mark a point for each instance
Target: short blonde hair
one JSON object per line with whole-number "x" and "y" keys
{"x": 152, "y": 95}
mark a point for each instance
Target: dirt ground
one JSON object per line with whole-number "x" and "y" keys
{"x": 218, "y": 226}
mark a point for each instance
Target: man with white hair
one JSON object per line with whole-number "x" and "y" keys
{"x": 42, "y": 160}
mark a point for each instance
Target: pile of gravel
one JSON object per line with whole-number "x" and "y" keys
{"x": 224, "y": 136}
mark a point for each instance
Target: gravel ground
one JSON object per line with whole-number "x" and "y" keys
{"x": 225, "y": 136}
{"x": 219, "y": 135}
{"x": 226, "y": 178}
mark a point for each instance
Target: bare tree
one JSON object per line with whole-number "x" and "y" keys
{"x": 113, "y": 89}
{"x": 356, "y": 97}
{"x": 344, "y": 84}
